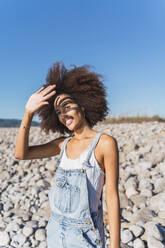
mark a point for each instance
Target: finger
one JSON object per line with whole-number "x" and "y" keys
{"x": 38, "y": 91}
{"x": 42, "y": 104}
{"x": 47, "y": 90}
{"x": 49, "y": 95}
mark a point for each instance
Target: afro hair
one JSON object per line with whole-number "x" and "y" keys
{"x": 84, "y": 86}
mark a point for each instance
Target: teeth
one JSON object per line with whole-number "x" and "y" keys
{"x": 68, "y": 121}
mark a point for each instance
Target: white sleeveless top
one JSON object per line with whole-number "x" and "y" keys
{"x": 68, "y": 163}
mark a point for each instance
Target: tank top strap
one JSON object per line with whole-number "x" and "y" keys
{"x": 63, "y": 148}
{"x": 92, "y": 147}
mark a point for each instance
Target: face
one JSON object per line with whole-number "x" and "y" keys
{"x": 69, "y": 112}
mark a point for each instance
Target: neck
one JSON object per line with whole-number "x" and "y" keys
{"x": 83, "y": 131}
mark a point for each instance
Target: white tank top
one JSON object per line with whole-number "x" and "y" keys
{"x": 67, "y": 163}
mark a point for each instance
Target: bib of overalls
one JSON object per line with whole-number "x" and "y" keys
{"x": 73, "y": 222}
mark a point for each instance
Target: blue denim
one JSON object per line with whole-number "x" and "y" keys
{"x": 72, "y": 223}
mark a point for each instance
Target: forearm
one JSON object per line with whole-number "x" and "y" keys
{"x": 113, "y": 207}
{"x": 22, "y": 141}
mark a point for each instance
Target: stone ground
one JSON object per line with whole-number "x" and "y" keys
{"x": 24, "y": 207}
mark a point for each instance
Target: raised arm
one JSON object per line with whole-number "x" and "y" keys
{"x": 22, "y": 148}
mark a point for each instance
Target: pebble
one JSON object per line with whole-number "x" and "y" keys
{"x": 4, "y": 238}
{"x": 27, "y": 231}
{"x": 126, "y": 236}
{"x": 136, "y": 230}
{"x": 138, "y": 243}
{"x": 40, "y": 234}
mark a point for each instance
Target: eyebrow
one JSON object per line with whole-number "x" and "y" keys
{"x": 65, "y": 103}
{"x": 61, "y": 101}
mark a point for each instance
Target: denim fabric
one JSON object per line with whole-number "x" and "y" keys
{"x": 72, "y": 223}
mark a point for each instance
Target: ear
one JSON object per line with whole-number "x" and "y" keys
{"x": 83, "y": 109}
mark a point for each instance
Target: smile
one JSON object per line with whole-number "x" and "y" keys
{"x": 68, "y": 122}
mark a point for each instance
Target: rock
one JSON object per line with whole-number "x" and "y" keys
{"x": 138, "y": 243}
{"x": 127, "y": 214}
{"x": 126, "y": 236}
{"x": 145, "y": 187}
{"x": 157, "y": 202}
{"x": 144, "y": 214}
{"x": 4, "y": 238}
{"x": 123, "y": 200}
{"x": 40, "y": 235}
{"x": 138, "y": 200}
{"x": 154, "y": 243}
{"x": 130, "y": 244}
{"x": 43, "y": 183}
{"x": 7, "y": 206}
{"x": 21, "y": 213}
{"x": 105, "y": 217}
{"x": 42, "y": 223}
{"x": 131, "y": 191}
{"x": 21, "y": 239}
{"x": 12, "y": 226}
{"x": 157, "y": 220}
{"x": 161, "y": 230}
{"x": 42, "y": 245}
{"x": 32, "y": 224}
{"x": 131, "y": 186}
{"x": 155, "y": 230}
{"x": 2, "y": 225}
{"x": 128, "y": 147}
{"x": 161, "y": 214}
{"x": 27, "y": 231}
{"x": 159, "y": 185}
{"x": 136, "y": 230}
{"x": 34, "y": 242}
{"x": 104, "y": 206}
{"x": 143, "y": 166}
{"x": 51, "y": 165}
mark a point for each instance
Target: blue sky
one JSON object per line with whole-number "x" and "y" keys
{"x": 123, "y": 39}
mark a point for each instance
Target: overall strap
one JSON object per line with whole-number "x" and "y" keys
{"x": 92, "y": 147}
{"x": 63, "y": 148}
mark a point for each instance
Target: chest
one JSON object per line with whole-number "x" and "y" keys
{"x": 74, "y": 150}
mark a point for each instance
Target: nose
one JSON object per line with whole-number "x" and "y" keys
{"x": 62, "y": 116}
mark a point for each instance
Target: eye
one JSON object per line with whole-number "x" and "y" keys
{"x": 58, "y": 112}
{"x": 66, "y": 108}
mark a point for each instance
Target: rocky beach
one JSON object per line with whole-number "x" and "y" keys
{"x": 24, "y": 206}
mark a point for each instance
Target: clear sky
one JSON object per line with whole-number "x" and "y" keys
{"x": 123, "y": 39}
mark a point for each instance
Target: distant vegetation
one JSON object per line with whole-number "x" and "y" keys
{"x": 134, "y": 119}
{"x": 14, "y": 123}
{"x": 120, "y": 119}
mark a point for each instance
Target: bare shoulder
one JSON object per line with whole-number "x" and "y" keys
{"x": 107, "y": 141}
{"x": 110, "y": 154}
{"x": 58, "y": 141}
{"x": 106, "y": 149}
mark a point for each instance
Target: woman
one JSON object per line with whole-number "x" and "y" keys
{"x": 73, "y": 101}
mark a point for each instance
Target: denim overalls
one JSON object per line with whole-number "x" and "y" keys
{"x": 72, "y": 224}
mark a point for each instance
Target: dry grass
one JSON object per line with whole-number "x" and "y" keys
{"x": 133, "y": 119}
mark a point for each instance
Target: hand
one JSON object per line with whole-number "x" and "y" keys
{"x": 38, "y": 99}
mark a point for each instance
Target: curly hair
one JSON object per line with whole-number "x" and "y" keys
{"x": 85, "y": 87}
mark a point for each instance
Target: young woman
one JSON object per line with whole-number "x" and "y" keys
{"x": 73, "y": 101}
